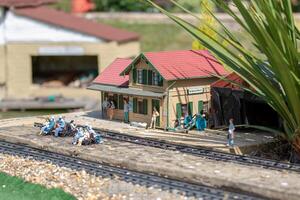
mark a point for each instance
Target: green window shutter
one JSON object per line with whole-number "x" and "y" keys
{"x": 178, "y": 110}
{"x": 200, "y": 106}
{"x": 160, "y": 80}
{"x": 116, "y": 101}
{"x": 145, "y": 106}
{"x": 150, "y": 77}
{"x": 121, "y": 102}
{"x": 190, "y": 108}
{"x": 135, "y": 105}
{"x": 134, "y": 72}
{"x": 144, "y": 78}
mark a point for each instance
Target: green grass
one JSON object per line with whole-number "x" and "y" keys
{"x": 13, "y": 188}
{"x": 157, "y": 37}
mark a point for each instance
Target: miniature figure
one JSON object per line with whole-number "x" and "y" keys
{"x": 126, "y": 110}
{"x": 79, "y": 134}
{"x": 104, "y": 108}
{"x": 200, "y": 121}
{"x": 178, "y": 128}
{"x": 86, "y": 135}
{"x": 111, "y": 108}
{"x": 187, "y": 120}
{"x": 69, "y": 130}
{"x": 230, "y": 135}
{"x": 60, "y": 126}
{"x": 155, "y": 114}
{"x": 48, "y": 127}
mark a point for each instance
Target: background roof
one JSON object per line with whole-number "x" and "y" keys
{"x": 24, "y": 3}
{"x": 111, "y": 74}
{"x": 185, "y": 64}
{"x": 71, "y": 22}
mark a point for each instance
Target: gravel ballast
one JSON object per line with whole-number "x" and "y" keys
{"x": 82, "y": 185}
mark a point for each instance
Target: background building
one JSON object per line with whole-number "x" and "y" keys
{"x": 48, "y": 52}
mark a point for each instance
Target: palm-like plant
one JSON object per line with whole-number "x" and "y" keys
{"x": 274, "y": 74}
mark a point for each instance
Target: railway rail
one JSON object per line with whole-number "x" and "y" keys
{"x": 198, "y": 151}
{"x": 201, "y": 152}
{"x": 188, "y": 189}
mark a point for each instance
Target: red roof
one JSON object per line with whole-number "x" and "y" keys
{"x": 25, "y": 3}
{"x": 229, "y": 81}
{"x": 185, "y": 64}
{"x": 111, "y": 74}
{"x": 68, "y": 21}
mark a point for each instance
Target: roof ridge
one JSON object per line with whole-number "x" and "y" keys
{"x": 75, "y": 23}
{"x": 171, "y": 51}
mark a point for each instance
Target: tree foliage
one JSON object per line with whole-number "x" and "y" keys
{"x": 275, "y": 75}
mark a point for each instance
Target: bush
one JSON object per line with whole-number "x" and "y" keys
{"x": 122, "y": 5}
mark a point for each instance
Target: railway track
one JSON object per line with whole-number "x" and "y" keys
{"x": 188, "y": 189}
{"x": 201, "y": 152}
{"x": 198, "y": 151}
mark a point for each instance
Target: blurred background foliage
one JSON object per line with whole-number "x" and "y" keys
{"x": 142, "y": 6}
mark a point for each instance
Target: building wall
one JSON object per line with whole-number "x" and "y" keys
{"x": 176, "y": 92}
{"x": 19, "y": 74}
{"x": 179, "y": 94}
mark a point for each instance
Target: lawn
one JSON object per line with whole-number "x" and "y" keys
{"x": 13, "y": 188}
{"x": 157, "y": 37}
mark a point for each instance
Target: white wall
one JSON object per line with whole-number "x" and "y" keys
{"x": 21, "y": 29}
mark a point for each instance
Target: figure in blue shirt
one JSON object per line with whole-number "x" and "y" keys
{"x": 61, "y": 125}
{"x": 201, "y": 121}
{"x": 47, "y": 129}
{"x": 187, "y": 120}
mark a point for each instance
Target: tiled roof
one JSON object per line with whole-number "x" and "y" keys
{"x": 185, "y": 64}
{"x": 228, "y": 81}
{"x": 111, "y": 74}
{"x": 71, "y": 22}
{"x": 25, "y": 3}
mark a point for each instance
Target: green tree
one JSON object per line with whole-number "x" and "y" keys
{"x": 274, "y": 76}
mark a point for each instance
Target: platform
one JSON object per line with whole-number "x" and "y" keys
{"x": 210, "y": 139}
{"x": 174, "y": 164}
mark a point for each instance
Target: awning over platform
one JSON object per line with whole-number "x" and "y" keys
{"x": 125, "y": 90}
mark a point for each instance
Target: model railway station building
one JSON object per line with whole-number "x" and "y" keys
{"x": 175, "y": 82}
{"x": 44, "y": 51}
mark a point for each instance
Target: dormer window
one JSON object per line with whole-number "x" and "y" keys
{"x": 147, "y": 77}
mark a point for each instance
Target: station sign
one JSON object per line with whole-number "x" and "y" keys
{"x": 61, "y": 51}
{"x": 198, "y": 90}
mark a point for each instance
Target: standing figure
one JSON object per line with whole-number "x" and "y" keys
{"x": 202, "y": 121}
{"x": 230, "y": 135}
{"x": 50, "y": 125}
{"x": 60, "y": 126}
{"x": 155, "y": 114}
{"x": 198, "y": 122}
{"x": 104, "y": 108}
{"x": 111, "y": 109}
{"x": 126, "y": 110}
